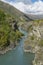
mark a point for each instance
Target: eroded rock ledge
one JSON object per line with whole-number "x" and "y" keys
{"x": 34, "y": 40}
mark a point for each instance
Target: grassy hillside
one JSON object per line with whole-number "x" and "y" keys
{"x": 8, "y": 33}
{"x": 14, "y": 12}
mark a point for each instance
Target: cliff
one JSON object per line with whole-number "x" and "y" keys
{"x": 34, "y": 40}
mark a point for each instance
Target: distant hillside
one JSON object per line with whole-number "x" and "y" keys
{"x": 32, "y": 16}
{"x": 14, "y": 12}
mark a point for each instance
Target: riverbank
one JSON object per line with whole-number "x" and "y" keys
{"x": 10, "y": 47}
{"x": 5, "y": 50}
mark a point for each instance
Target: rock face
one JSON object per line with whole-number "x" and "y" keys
{"x": 34, "y": 41}
{"x": 38, "y": 57}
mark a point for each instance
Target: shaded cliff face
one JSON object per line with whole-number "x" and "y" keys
{"x": 34, "y": 40}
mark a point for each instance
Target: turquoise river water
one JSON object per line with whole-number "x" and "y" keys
{"x": 17, "y": 56}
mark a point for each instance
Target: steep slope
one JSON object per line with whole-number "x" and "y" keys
{"x": 10, "y": 21}
{"x": 9, "y": 32}
{"x": 13, "y": 11}
{"x": 34, "y": 40}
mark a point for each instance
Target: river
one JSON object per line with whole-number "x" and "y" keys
{"x": 17, "y": 56}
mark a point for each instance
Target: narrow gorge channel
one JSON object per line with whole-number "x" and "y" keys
{"x": 17, "y": 56}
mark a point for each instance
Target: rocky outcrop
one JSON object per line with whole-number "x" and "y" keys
{"x": 38, "y": 60}
{"x": 34, "y": 41}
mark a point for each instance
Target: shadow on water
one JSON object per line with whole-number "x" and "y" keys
{"x": 17, "y": 56}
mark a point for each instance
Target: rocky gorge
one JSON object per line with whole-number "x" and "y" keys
{"x": 12, "y": 24}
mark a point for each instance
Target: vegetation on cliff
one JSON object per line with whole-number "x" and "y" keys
{"x": 10, "y": 21}
{"x": 8, "y": 32}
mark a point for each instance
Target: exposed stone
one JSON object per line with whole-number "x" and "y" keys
{"x": 34, "y": 41}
